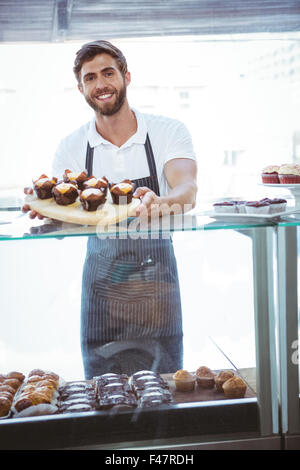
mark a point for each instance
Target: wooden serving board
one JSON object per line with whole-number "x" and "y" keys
{"x": 106, "y": 214}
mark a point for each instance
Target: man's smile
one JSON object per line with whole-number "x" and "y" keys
{"x": 104, "y": 97}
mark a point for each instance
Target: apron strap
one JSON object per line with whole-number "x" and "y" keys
{"x": 89, "y": 159}
{"x": 152, "y": 166}
{"x": 150, "y": 159}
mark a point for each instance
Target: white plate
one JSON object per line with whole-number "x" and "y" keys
{"x": 244, "y": 216}
{"x": 279, "y": 185}
{"x": 293, "y": 188}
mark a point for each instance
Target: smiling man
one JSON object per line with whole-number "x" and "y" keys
{"x": 131, "y": 307}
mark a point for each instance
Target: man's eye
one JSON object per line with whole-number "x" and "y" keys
{"x": 109, "y": 74}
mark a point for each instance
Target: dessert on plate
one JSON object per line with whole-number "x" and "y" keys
{"x": 289, "y": 173}
{"x": 225, "y": 207}
{"x": 257, "y": 207}
{"x": 270, "y": 174}
{"x": 276, "y": 204}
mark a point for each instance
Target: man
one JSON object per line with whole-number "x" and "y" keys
{"x": 131, "y": 311}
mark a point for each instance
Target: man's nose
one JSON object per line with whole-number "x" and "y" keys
{"x": 100, "y": 82}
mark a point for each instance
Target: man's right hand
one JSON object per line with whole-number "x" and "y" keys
{"x": 26, "y": 207}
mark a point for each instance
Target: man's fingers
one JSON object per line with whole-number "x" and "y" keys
{"x": 141, "y": 191}
{"x": 148, "y": 198}
{"x": 28, "y": 190}
{"x": 33, "y": 214}
{"x": 26, "y": 208}
{"x": 142, "y": 211}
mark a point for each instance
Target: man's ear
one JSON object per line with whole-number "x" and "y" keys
{"x": 127, "y": 78}
{"x": 79, "y": 86}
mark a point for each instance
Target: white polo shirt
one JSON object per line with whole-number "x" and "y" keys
{"x": 169, "y": 139}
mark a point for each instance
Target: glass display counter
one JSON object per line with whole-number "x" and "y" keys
{"x": 288, "y": 329}
{"x": 227, "y": 278}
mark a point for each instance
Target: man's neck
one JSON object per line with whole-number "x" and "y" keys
{"x": 119, "y": 127}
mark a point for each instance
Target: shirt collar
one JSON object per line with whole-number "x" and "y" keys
{"x": 139, "y": 137}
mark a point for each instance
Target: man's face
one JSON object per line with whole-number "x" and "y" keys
{"x": 103, "y": 85}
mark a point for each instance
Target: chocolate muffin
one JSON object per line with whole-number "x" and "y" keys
{"x": 122, "y": 193}
{"x": 96, "y": 183}
{"x": 92, "y": 198}
{"x": 43, "y": 186}
{"x": 78, "y": 178}
{"x": 65, "y": 193}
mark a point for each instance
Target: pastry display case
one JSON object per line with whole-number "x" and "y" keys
{"x": 288, "y": 292}
{"x": 227, "y": 276}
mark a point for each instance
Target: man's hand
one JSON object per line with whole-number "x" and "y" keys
{"x": 181, "y": 176}
{"x": 26, "y": 207}
{"x": 149, "y": 202}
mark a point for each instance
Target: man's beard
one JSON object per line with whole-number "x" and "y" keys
{"x": 108, "y": 109}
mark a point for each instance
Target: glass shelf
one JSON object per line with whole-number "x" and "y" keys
{"x": 21, "y": 227}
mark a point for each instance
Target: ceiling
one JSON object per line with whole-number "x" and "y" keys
{"x": 67, "y": 20}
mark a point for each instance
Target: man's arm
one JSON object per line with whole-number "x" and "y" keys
{"x": 181, "y": 176}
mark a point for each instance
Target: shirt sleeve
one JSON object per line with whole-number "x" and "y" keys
{"x": 179, "y": 143}
{"x": 63, "y": 160}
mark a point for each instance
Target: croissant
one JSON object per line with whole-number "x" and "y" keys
{"x": 46, "y": 383}
{"x": 14, "y": 383}
{"x": 34, "y": 378}
{"x": 5, "y": 405}
{"x": 16, "y": 375}
{"x": 7, "y": 388}
{"x": 36, "y": 372}
{"x": 6, "y": 394}
{"x": 45, "y": 392}
{"x": 22, "y": 403}
{"x": 51, "y": 376}
{"x": 28, "y": 388}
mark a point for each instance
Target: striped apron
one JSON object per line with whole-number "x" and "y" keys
{"x": 130, "y": 307}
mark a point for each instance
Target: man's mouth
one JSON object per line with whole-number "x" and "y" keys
{"x": 104, "y": 97}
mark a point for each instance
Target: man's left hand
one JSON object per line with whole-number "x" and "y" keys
{"x": 150, "y": 202}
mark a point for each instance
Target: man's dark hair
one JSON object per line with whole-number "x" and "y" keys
{"x": 89, "y": 50}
